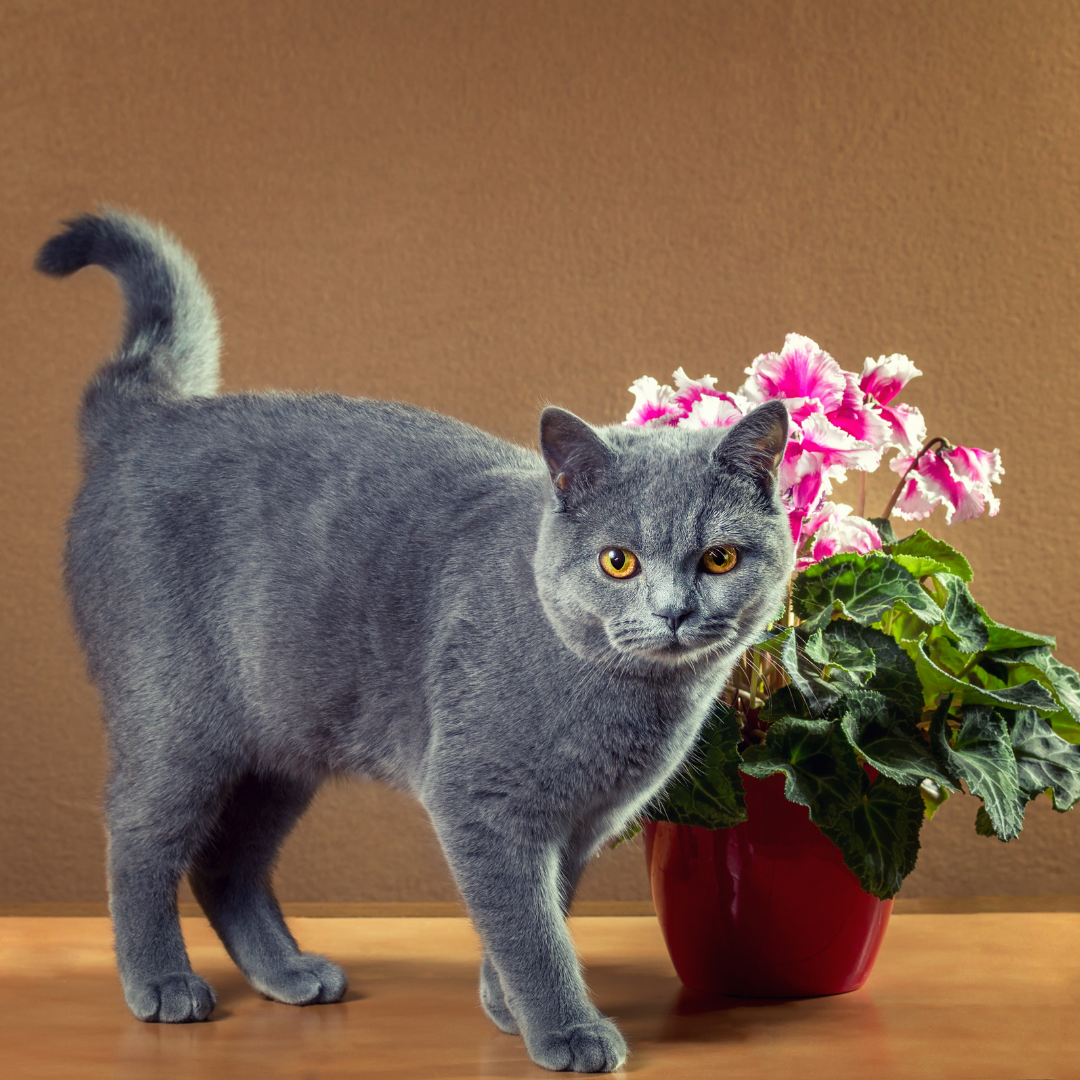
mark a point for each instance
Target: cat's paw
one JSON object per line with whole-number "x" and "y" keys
{"x": 491, "y": 997}
{"x": 177, "y": 998}
{"x": 303, "y": 979}
{"x": 597, "y": 1046}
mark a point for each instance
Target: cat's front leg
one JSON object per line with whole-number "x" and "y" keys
{"x": 571, "y": 865}
{"x": 511, "y": 883}
{"x": 494, "y": 1000}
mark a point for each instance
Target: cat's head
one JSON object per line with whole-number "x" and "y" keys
{"x": 664, "y": 545}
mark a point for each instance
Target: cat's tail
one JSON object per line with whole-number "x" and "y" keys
{"x": 171, "y": 340}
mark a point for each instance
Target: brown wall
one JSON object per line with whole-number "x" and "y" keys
{"x": 481, "y": 207}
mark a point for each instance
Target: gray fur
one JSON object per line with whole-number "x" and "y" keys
{"x": 273, "y": 589}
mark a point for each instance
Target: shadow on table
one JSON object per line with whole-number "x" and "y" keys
{"x": 706, "y": 1018}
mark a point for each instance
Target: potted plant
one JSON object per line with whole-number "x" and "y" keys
{"x": 882, "y": 689}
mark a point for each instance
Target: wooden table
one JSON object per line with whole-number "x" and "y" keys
{"x": 978, "y": 996}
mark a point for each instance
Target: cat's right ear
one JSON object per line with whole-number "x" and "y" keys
{"x": 755, "y": 445}
{"x": 575, "y": 455}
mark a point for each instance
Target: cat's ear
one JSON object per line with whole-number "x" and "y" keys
{"x": 575, "y": 455}
{"x": 755, "y": 445}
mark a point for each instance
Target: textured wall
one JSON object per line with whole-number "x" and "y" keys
{"x": 482, "y": 207}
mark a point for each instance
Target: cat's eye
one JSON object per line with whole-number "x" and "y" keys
{"x": 618, "y": 562}
{"x": 719, "y": 560}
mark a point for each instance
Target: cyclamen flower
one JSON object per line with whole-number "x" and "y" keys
{"x": 882, "y": 380}
{"x": 720, "y": 410}
{"x": 836, "y": 529}
{"x": 860, "y": 417}
{"x": 695, "y": 404}
{"x": 801, "y": 371}
{"x": 958, "y": 478}
{"x": 839, "y": 421}
{"x": 652, "y": 404}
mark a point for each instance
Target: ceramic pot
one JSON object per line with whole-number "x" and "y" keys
{"x": 765, "y": 909}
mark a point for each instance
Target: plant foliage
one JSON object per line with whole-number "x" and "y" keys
{"x": 894, "y": 689}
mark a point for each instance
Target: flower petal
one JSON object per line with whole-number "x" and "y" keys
{"x": 913, "y": 503}
{"x": 714, "y": 410}
{"x": 800, "y": 370}
{"x": 859, "y": 416}
{"x": 884, "y": 378}
{"x": 842, "y": 531}
{"x": 836, "y": 446}
{"x": 908, "y": 427}
{"x": 652, "y": 404}
{"x": 932, "y": 482}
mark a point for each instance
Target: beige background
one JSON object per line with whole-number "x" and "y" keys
{"x": 482, "y": 207}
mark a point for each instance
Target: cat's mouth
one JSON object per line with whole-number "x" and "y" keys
{"x": 685, "y": 648}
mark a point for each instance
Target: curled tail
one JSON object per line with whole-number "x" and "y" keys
{"x": 171, "y": 340}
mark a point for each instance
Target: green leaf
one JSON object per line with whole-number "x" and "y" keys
{"x": 816, "y": 693}
{"x": 892, "y": 744}
{"x": 920, "y": 544}
{"x": 885, "y": 530}
{"x": 708, "y": 790}
{"x": 983, "y": 825}
{"x": 893, "y": 674}
{"x": 902, "y": 626}
{"x": 1005, "y": 637}
{"x": 981, "y": 754}
{"x": 823, "y": 666}
{"x": 1066, "y": 687}
{"x": 1044, "y": 760}
{"x": 879, "y": 835}
{"x": 962, "y": 615}
{"x": 787, "y": 701}
{"x": 861, "y": 587}
{"x": 823, "y": 773}
{"x": 632, "y": 829}
{"x": 918, "y": 566}
{"x": 936, "y": 681}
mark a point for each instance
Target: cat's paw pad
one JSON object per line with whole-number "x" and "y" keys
{"x": 597, "y": 1046}
{"x": 178, "y": 998}
{"x": 491, "y": 997}
{"x": 304, "y": 979}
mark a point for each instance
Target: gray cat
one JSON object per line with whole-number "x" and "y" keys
{"x": 273, "y": 589}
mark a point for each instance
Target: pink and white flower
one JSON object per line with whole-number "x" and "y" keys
{"x": 801, "y": 371}
{"x": 834, "y": 449}
{"x": 695, "y": 403}
{"x": 836, "y": 529}
{"x": 958, "y": 478}
{"x": 859, "y": 416}
{"x": 653, "y": 405}
{"x": 715, "y": 410}
{"x": 881, "y": 381}
{"x": 839, "y": 421}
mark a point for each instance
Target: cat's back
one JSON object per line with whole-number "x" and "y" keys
{"x": 282, "y": 500}
{"x": 274, "y": 454}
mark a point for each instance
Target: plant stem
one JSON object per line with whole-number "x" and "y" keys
{"x": 930, "y": 445}
{"x": 861, "y": 510}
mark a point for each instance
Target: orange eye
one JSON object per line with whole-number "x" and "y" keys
{"x": 618, "y": 562}
{"x": 719, "y": 560}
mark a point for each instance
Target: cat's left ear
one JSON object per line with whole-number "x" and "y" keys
{"x": 755, "y": 445}
{"x": 575, "y": 455}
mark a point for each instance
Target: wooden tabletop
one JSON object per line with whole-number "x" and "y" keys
{"x": 976, "y": 996}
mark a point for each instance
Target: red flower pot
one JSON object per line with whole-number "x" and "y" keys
{"x": 765, "y": 909}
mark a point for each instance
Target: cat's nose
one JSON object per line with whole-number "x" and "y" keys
{"x": 674, "y": 619}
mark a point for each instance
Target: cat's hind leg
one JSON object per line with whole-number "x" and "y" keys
{"x": 230, "y": 877}
{"x": 158, "y": 814}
